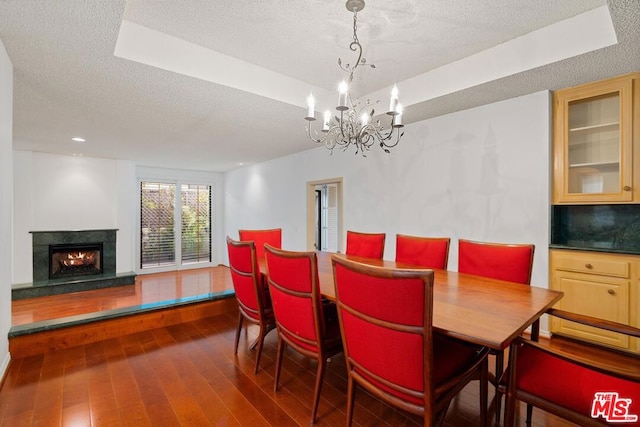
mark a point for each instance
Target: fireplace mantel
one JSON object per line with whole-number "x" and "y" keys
{"x": 73, "y": 231}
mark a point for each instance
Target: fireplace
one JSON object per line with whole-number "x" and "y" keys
{"x": 69, "y": 260}
{"x": 72, "y": 261}
{"x": 60, "y": 256}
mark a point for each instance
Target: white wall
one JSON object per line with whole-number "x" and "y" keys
{"x": 6, "y": 189}
{"x": 54, "y": 192}
{"x": 480, "y": 174}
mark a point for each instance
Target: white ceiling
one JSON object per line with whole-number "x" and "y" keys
{"x": 208, "y": 84}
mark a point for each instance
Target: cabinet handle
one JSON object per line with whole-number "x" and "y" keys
{"x": 611, "y": 292}
{"x": 589, "y": 266}
{"x": 626, "y": 188}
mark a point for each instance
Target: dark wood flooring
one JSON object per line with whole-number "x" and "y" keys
{"x": 187, "y": 375}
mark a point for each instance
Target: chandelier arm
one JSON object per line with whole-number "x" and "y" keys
{"x": 369, "y": 140}
{"x": 380, "y": 135}
{"x": 367, "y": 130}
{"x": 316, "y": 140}
{"x": 398, "y": 136}
{"x": 389, "y": 134}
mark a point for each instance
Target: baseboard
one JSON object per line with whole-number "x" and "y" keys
{"x": 4, "y": 368}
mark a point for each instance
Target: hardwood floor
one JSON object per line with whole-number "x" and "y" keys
{"x": 187, "y": 374}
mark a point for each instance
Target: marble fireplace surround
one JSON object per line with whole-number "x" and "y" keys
{"x": 43, "y": 286}
{"x": 43, "y": 239}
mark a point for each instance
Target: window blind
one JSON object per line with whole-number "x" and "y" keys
{"x": 157, "y": 235}
{"x": 196, "y": 223}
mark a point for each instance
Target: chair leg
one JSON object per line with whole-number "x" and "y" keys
{"x": 439, "y": 417}
{"x": 509, "y": 411}
{"x": 498, "y": 375}
{"x": 279, "y": 353}
{"x": 238, "y": 331}
{"x": 322, "y": 363}
{"x": 529, "y": 414}
{"x": 351, "y": 395}
{"x": 263, "y": 332}
{"x": 484, "y": 392}
{"x": 510, "y": 396}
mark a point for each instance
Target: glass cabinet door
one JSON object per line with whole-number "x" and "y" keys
{"x": 592, "y": 145}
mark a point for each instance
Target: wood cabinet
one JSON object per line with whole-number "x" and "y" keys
{"x": 600, "y": 285}
{"x": 596, "y": 129}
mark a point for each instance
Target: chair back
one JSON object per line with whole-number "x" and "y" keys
{"x": 271, "y": 236}
{"x": 246, "y": 277}
{"x": 296, "y": 299}
{"x": 386, "y": 324}
{"x": 368, "y": 245}
{"x": 584, "y": 383}
{"x": 502, "y": 261}
{"x": 430, "y": 252}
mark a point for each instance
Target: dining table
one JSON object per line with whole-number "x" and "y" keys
{"x": 480, "y": 310}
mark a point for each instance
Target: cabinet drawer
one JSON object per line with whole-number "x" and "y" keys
{"x": 606, "y": 299}
{"x": 605, "y": 267}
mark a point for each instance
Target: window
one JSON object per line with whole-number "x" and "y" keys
{"x": 168, "y": 234}
{"x": 196, "y": 223}
{"x": 157, "y": 237}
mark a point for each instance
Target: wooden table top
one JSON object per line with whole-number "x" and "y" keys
{"x": 476, "y": 309}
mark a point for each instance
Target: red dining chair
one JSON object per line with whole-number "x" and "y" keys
{"x": 430, "y": 252}
{"x": 391, "y": 351}
{"x": 253, "y": 299}
{"x": 502, "y": 261}
{"x": 304, "y": 322}
{"x": 581, "y": 382}
{"x": 367, "y": 245}
{"x": 271, "y": 236}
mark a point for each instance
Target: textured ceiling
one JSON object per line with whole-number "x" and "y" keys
{"x": 70, "y": 78}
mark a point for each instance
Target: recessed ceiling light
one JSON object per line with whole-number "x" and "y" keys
{"x": 78, "y": 139}
{"x": 78, "y": 155}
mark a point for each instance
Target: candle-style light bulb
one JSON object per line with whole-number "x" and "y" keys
{"x": 311, "y": 107}
{"x": 393, "y": 103}
{"x": 364, "y": 119}
{"x": 327, "y": 119}
{"x": 397, "y": 118}
{"x": 343, "y": 89}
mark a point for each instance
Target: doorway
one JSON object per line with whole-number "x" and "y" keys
{"x": 324, "y": 215}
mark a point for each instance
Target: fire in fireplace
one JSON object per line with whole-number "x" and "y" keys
{"x": 75, "y": 260}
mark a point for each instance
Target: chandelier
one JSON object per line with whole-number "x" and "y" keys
{"x": 354, "y": 124}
